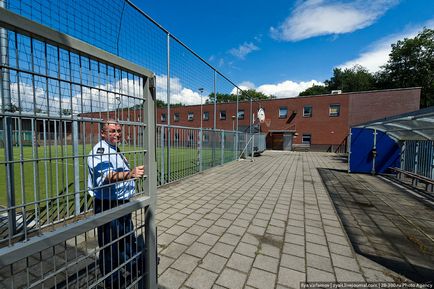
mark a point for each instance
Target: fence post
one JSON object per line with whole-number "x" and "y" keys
{"x": 416, "y": 157}
{"x": 253, "y": 143}
{"x": 200, "y": 149}
{"x": 234, "y": 145}
{"x": 168, "y": 113}
{"x": 222, "y": 137}
{"x": 75, "y": 153}
{"x": 236, "y": 117}
{"x": 150, "y": 274}
{"x": 162, "y": 160}
{"x": 374, "y": 152}
{"x": 432, "y": 161}
{"x": 7, "y": 125}
{"x": 402, "y": 165}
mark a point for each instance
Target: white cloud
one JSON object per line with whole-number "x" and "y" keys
{"x": 102, "y": 98}
{"x": 178, "y": 93}
{"x": 287, "y": 88}
{"x": 319, "y": 17}
{"x": 378, "y": 53}
{"x": 246, "y": 85}
{"x": 243, "y": 50}
{"x": 283, "y": 89}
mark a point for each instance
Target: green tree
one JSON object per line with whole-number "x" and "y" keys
{"x": 411, "y": 63}
{"x": 256, "y": 95}
{"x": 315, "y": 90}
{"x": 245, "y": 95}
{"x": 159, "y": 103}
{"x": 221, "y": 97}
{"x": 356, "y": 78}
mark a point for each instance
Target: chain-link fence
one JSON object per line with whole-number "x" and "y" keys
{"x": 192, "y": 150}
{"x": 121, "y": 28}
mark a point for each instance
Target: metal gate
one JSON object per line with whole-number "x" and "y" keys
{"x": 57, "y": 95}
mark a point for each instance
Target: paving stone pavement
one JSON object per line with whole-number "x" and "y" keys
{"x": 266, "y": 224}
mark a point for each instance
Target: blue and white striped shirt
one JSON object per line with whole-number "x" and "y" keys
{"x": 103, "y": 159}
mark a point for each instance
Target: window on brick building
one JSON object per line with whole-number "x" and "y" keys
{"x": 306, "y": 139}
{"x": 205, "y": 115}
{"x": 307, "y": 111}
{"x": 283, "y": 112}
{"x": 163, "y": 117}
{"x": 334, "y": 110}
{"x": 176, "y": 116}
{"x": 241, "y": 114}
{"x": 222, "y": 115}
{"x": 190, "y": 116}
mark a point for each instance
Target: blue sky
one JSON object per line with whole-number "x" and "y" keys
{"x": 282, "y": 47}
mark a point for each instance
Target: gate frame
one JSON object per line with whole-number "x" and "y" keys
{"x": 21, "y": 250}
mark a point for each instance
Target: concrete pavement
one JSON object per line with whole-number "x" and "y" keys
{"x": 263, "y": 224}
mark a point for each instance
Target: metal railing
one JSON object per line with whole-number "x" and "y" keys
{"x": 342, "y": 148}
{"x": 417, "y": 156}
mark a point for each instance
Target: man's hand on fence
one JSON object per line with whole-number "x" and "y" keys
{"x": 138, "y": 172}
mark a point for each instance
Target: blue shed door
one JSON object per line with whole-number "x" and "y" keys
{"x": 370, "y": 153}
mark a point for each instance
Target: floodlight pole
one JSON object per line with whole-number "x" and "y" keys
{"x": 7, "y": 124}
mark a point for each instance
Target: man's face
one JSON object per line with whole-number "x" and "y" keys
{"x": 112, "y": 133}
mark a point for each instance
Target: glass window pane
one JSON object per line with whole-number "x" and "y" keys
{"x": 306, "y": 139}
{"x": 335, "y": 109}
{"x": 283, "y": 112}
{"x": 190, "y": 116}
{"x": 307, "y": 111}
{"x": 223, "y": 115}
{"x": 241, "y": 114}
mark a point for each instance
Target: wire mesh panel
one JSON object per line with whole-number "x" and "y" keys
{"x": 77, "y": 132}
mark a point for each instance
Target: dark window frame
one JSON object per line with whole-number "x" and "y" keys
{"x": 338, "y": 112}
{"x": 309, "y": 135}
{"x": 188, "y": 116}
{"x": 239, "y": 115}
{"x": 220, "y": 115}
{"x": 176, "y": 116}
{"x": 207, "y": 115}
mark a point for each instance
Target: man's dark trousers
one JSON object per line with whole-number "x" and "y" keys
{"x": 114, "y": 253}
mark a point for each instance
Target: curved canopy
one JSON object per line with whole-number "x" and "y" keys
{"x": 416, "y": 125}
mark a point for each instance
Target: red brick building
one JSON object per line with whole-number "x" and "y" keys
{"x": 320, "y": 120}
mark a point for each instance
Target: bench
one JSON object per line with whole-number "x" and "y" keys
{"x": 415, "y": 178}
{"x": 301, "y": 147}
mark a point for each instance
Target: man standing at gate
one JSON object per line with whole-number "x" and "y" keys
{"x": 112, "y": 183}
